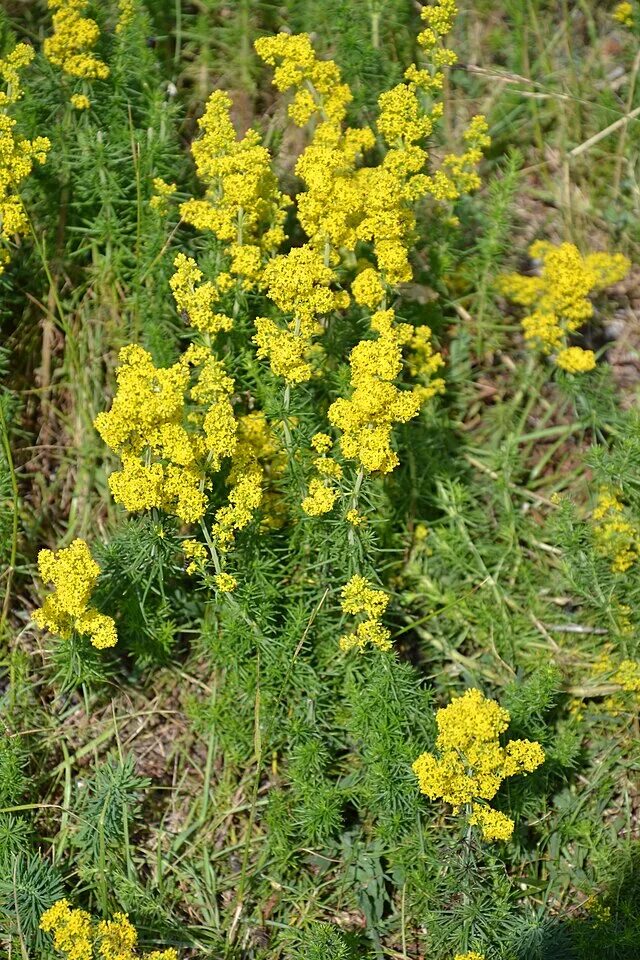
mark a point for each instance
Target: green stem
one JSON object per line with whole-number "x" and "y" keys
{"x": 6, "y": 446}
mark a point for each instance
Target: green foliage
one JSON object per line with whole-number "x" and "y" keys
{"x": 29, "y": 885}
{"x": 13, "y": 780}
{"x": 260, "y": 801}
{"x": 324, "y": 942}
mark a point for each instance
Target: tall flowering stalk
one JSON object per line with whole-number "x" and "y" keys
{"x": 17, "y": 154}
{"x": 190, "y": 443}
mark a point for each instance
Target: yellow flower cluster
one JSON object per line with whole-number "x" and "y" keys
{"x": 560, "y": 300}
{"x": 164, "y": 464}
{"x": 196, "y": 299}
{"x": 344, "y": 204}
{"x": 71, "y": 929}
{"x": 367, "y": 418}
{"x": 255, "y": 452}
{"x": 322, "y": 493}
{"x": 225, "y": 582}
{"x": 196, "y": 553}
{"x": 71, "y": 44}
{"x": 358, "y": 596}
{"x": 626, "y": 675}
{"x": 17, "y": 154}
{"x": 347, "y": 207}
{"x": 318, "y": 85}
{"x": 73, "y": 573}
{"x": 320, "y": 499}
{"x": 78, "y": 937}
{"x": 470, "y": 955}
{"x": 299, "y": 283}
{"x": 80, "y": 101}
{"x": 243, "y": 206}
{"x": 126, "y": 12}
{"x": 472, "y": 764}
{"x": 162, "y": 193}
{"x": 623, "y": 13}
{"x": 615, "y": 535}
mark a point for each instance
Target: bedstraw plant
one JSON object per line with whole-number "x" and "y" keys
{"x": 322, "y": 560}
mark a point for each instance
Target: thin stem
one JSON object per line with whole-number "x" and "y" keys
{"x": 6, "y": 446}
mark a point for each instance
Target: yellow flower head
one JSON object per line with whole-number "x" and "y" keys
{"x": 560, "y": 298}
{"x": 471, "y": 763}
{"x": 623, "y": 13}
{"x": 242, "y": 203}
{"x": 17, "y": 155}
{"x": 73, "y": 573}
{"x": 71, "y": 930}
{"x": 320, "y": 499}
{"x": 126, "y": 10}
{"x": 195, "y": 299}
{"x": 225, "y": 582}
{"x": 117, "y": 938}
{"x": 78, "y": 937}
{"x": 162, "y": 193}
{"x": 358, "y": 596}
{"x": 616, "y": 535}
{"x": 74, "y": 36}
{"x": 80, "y": 101}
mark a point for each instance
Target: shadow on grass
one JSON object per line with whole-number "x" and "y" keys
{"x": 608, "y": 928}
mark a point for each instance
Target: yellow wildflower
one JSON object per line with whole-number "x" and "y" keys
{"x": 225, "y": 582}
{"x": 321, "y": 442}
{"x": 196, "y": 553}
{"x": 254, "y": 450}
{"x": 126, "y": 12}
{"x": 74, "y": 36}
{"x": 366, "y": 419}
{"x": 77, "y": 936}
{"x": 470, "y": 955}
{"x": 576, "y": 360}
{"x": 344, "y": 205}
{"x": 318, "y": 84}
{"x": 80, "y": 101}
{"x": 471, "y": 763}
{"x": 196, "y": 299}
{"x": 17, "y": 155}
{"x": 368, "y": 632}
{"x": 560, "y": 298}
{"x": 623, "y": 13}
{"x": 321, "y": 498}
{"x": 71, "y": 929}
{"x": 299, "y": 283}
{"x": 162, "y": 193}
{"x": 166, "y": 453}
{"x": 358, "y": 596}
{"x": 242, "y": 203}
{"x": 73, "y": 573}
{"x": 327, "y": 467}
{"x": 616, "y": 536}
{"x": 628, "y": 676}
{"x": 117, "y": 938}
{"x": 286, "y": 351}
{"x": 367, "y": 289}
